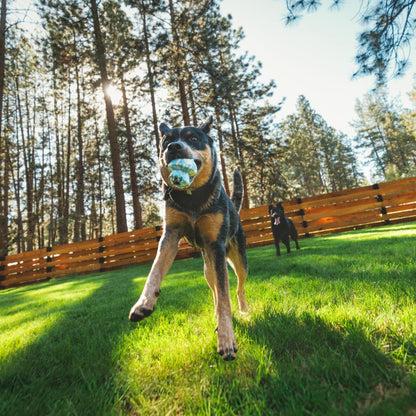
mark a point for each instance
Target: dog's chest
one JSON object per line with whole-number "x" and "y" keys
{"x": 204, "y": 229}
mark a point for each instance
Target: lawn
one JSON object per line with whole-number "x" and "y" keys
{"x": 332, "y": 331}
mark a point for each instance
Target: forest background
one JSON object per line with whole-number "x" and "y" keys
{"x": 82, "y": 97}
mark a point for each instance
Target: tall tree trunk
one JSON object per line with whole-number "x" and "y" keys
{"x": 28, "y": 152}
{"x": 150, "y": 76}
{"x": 16, "y": 180}
{"x": 100, "y": 181}
{"x": 80, "y": 226}
{"x": 40, "y": 200}
{"x": 239, "y": 155}
{"x": 28, "y": 169}
{"x": 4, "y": 224}
{"x": 111, "y": 123}
{"x": 52, "y": 222}
{"x": 190, "y": 93}
{"x": 179, "y": 69}
{"x": 221, "y": 145}
{"x": 59, "y": 222}
{"x": 67, "y": 167}
{"x": 2, "y": 56}
{"x": 4, "y": 175}
{"x": 137, "y": 208}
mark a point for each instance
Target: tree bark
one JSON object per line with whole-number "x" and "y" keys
{"x": 150, "y": 76}
{"x": 4, "y": 192}
{"x": 80, "y": 232}
{"x": 137, "y": 208}
{"x": 179, "y": 68}
{"x": 111, "y": 123}
{"x": 221, "y": 145}
{"x": 239, "y": 156}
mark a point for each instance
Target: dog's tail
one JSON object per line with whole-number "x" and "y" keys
{"x": 237, "y": 194}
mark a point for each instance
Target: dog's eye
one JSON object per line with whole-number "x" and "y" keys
{"x": 193, "y": 139}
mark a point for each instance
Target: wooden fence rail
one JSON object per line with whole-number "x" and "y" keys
{"x": 369, "y": 206}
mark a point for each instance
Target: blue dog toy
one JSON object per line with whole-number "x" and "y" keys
{"x": 182, "y": 172}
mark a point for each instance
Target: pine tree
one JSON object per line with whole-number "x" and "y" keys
{"x": 101, "y": 58}
{"x": 316, "y": 157}
{"x": 381, "y": 129}
{"x": 4, "y": 174}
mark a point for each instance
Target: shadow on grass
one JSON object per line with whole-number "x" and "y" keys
{"x": 288, "y": 363}
{"x": 313, "y": 368}
{"x": 69, "y": 368}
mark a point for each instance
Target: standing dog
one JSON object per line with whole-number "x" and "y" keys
{"x": 208, "y": 218}
{"x": 282, "y": 228}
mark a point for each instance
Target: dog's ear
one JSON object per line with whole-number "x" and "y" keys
{"x": 206, "y": 127}
{"x": 164, "y": 129}
{"x": 270, "y": 208}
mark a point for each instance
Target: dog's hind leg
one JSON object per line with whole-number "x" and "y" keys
{"x": 286, "y": 242}
{"x": 238, "y": 262}
{"x": 216, "y": 274}
{"x": 296, "y": 242}
{"x": 210, "y": 278}
{"x": 293, "y": 233}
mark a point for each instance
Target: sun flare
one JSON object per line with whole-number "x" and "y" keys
{"x": 114, "y": 93}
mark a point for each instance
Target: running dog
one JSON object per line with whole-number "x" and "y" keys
{"x": 282, "y": 228}
{"x": 203, "y": 214}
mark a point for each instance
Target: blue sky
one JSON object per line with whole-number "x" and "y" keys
{"x": 313, "y": 57}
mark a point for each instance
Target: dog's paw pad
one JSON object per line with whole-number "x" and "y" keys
{"x": 146, "y": 311}
{"x": 137, "y": 317}
{"x": 229, "y": 353}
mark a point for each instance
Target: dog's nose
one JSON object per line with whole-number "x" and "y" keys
{"x": 175, "y": 147}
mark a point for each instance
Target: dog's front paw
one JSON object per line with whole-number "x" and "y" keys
{"x": 143, "y": 308}
{"x": 227, "y": 347}
{"x": 138, "y": 314}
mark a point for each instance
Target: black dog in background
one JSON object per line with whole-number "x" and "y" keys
{"x": 282, "y": 228}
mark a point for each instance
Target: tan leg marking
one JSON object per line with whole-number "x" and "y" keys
{"x": 167, "y": 249}
{"x": 236, "y": 262}
{"x": 227, "y": 345}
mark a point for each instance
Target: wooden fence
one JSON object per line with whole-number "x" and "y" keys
{"x": 369, "y": 206}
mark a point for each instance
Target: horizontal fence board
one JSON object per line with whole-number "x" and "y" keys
{"x": 369, "y": 206}
{"x": 74, "y": 247}
{"x": 135, "y": 258}
{"x": 21, "y": 257}
{"x": 80, "y": 268}
{"x": 24, "y": 266}
{"x": 137, "y": 235}
{"x": 25, "y": 278}
{"x": 398, "y": 185}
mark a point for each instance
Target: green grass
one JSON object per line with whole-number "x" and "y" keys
{"x": 332, "y": 332}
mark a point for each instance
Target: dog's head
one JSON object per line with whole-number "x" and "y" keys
{"x": 188, "y": 143}
{"x": 277, "y": 213}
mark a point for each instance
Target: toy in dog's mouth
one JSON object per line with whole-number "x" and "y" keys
{"x": 183, "y": 171}
{"x": 276, "y": 220}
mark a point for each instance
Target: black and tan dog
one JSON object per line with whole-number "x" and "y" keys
{"x": 282, "y": 228}
{"x": 208, "y": 218}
